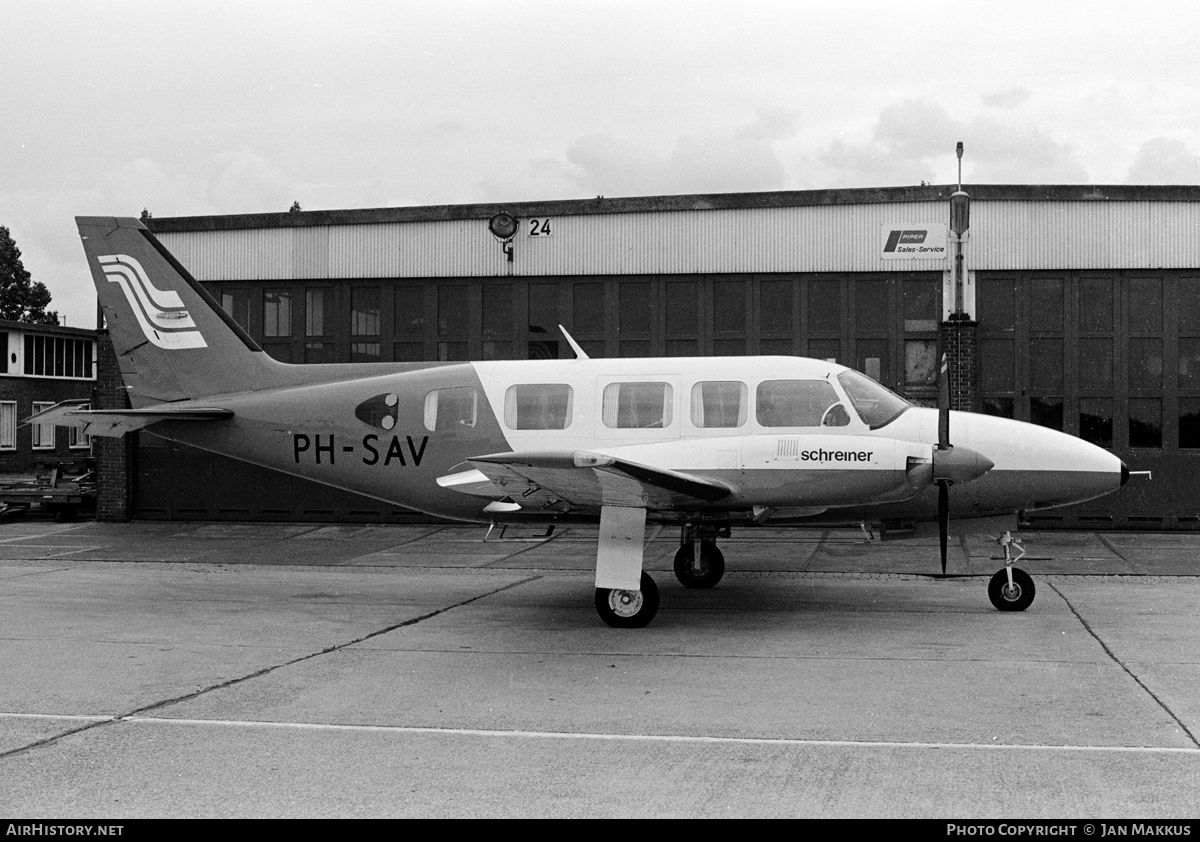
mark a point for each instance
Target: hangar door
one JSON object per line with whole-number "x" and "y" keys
{"x": 1114, "y": 358}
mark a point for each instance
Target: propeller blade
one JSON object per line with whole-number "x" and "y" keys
{"x": 944, "y": 405}
{"x": 944, "y": 519}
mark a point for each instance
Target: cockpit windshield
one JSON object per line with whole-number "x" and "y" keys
{"x": 876, "y": 405}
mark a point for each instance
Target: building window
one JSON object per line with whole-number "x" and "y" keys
{"x": 236, "y": 302}
{"x": 1189, "y": 423}
{"x": 1145, "y": 422}
{"x": 409, "y": 323}
{"x": 1046, "y": 412}
{"x": 43, "y": 434}
{"x": 8, "y": 425}
{"x": 318, "y": 304}
{"x": 365, "y": 352}
{"x": 77, "y": 439}
{"x": 364, "y": 311}
{"x": 58, "y": 356}
{"x": 1096, "y": 421}
{"x": 277, "y": 313}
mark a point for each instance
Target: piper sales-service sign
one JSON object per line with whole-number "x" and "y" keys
{"x": 913, "y": 241}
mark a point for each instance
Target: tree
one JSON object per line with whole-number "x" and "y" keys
{"x": 295, "y": 207}
{"x": 21, "y": 298}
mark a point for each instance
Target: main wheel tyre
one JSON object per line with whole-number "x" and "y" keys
{"x": 707, "y": 573}
{"x": 1018, "y": 597}
{"x": 628, "y": 609}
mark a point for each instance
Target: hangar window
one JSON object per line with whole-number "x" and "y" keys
{"x": 447, "y": 410}
{"x": 277, "y": 313}
{"x": 719, "y": 403}
{"x": 793, "y": 403}
{"x": 538, "y": 406}
{"x": 1189, "y": 423}
{"x": 637, "y": 406}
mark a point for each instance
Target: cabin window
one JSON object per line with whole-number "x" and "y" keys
{"x": 538, "y": 406}
{"x": 719, "y": 403}
{"x": 637, "y": 406}
{"x": 447, "y": 410}
{"x": 793, "y": 403}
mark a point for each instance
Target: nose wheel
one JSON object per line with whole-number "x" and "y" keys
{"x": 1011, "y": 589}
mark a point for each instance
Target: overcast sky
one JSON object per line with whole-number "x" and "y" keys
{"x": 230, "y": 107}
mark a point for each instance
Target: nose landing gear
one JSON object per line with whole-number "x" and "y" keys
{"x": 1011, "y": 589}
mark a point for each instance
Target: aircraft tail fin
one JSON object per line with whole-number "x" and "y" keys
{"x": 173, "y": 341}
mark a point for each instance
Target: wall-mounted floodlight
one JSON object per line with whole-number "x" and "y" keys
{"x": 504, "y": 227}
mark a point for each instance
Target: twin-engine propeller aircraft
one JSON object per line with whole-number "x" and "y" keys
{"x": 705, "y": 444}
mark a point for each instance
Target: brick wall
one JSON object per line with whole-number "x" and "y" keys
{"x": 960, "y": 344}
{"x": 25, "y": 391}
{"x": 114, "y": 457}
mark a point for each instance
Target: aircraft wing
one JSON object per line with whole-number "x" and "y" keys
{"x": 118, "y": 422}
{"x": 577, "y": 479}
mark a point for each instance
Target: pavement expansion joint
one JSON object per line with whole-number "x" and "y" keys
{"x": 1162, "y": 704}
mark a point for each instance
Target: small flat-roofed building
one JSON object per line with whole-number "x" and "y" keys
{"x": 42, "y": 365}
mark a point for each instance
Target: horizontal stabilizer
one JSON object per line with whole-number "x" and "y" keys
{"x": 582, "y": 480}
{"x": 118, "y": 422}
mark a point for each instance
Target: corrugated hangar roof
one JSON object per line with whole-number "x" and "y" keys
{"x": 689, "y": 202}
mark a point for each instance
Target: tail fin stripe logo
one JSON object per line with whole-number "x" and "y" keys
{"x": 160, "y": 313}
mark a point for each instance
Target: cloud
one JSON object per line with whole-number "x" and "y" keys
{"x": 771, "y": 124}
{"x": 1164, "y": 161}
{"x": 743, "y": 160}
{"x": 1007, "y": 100}
{"x": 912, "y": 139}
{"x": 248, "y": 183}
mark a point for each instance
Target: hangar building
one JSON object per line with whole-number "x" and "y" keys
{"x": 1080, "y": 310}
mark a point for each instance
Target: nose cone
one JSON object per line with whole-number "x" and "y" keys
{"x": 1041, "y": 467}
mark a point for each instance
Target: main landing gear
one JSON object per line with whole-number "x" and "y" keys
{"x": 628, "y": 609}
{"x": 1011, "y": 589}
{"x": 698, "y": 563}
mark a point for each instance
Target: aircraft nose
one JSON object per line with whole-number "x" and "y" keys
{"x": 1124, "y": 472}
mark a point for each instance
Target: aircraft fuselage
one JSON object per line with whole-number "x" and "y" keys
{"x": 393, "y": 435}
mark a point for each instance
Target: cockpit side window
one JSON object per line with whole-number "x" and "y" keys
{"x": 793, "y": 403}
{"x": 876, "y": 405}
{"x": 538, "y": 406}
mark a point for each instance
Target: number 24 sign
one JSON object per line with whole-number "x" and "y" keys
{"x": 540, "y": 228}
